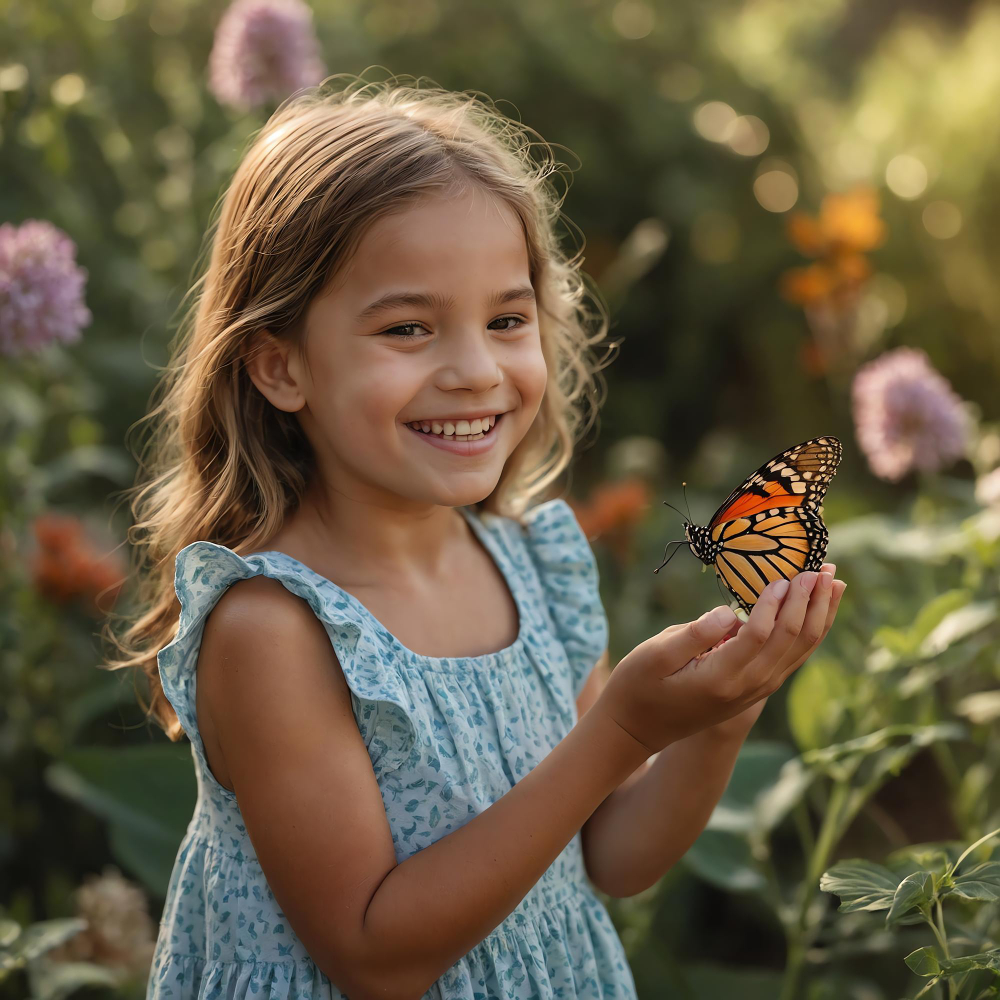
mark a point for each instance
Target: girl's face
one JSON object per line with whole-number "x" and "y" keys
{"x": 433, "y": 324}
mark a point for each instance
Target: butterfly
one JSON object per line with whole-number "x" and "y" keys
{"x": 771, "y": 526}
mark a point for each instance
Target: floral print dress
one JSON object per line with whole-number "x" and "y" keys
{"x": 447, "y": 737}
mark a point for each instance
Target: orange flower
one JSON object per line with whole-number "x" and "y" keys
{"x": 829, "y": 290}
{"x": 805, "y": 285}
{"x": 68, "y": 567}
{"x": 847, "y": 222}
{"x": 613, "y": 507}
{"x": 851, "y": 221}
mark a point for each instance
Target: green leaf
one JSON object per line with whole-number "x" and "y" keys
{"x": 724, "y": 860}
{"x": 861, "y": 885}
{"x": 146, "y": 794}
{"x": 56, "y": 980}
{"x": 817, "y": 699}
{"x": 864, "y": 746}
{"x": 758, "y": 768}
{"x": 981, "y": 882}
{"x": 915, "y": 891}
{"x": 958, "y": 625}
{"x": 969, "y": 963}
{"x": 934, "y": 612}
{"x": 924, "y": 962}
{"x": 37, "y": 939}
{"x": 774, "y": 803}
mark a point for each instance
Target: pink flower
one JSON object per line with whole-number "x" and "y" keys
{"x": 906, "y": 415}
{"x": 263, "y": 49}
{"x": 41, "y": 288}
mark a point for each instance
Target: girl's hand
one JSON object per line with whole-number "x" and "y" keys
{"x": 740, "y": 725}
{"x": 713, "y": 672}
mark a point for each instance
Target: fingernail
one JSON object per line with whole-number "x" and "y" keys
{"x": 780, "y": 589}
{"x": 723, "y": 617}
{"x": 830, "y": 568}
{"x": 808, "y": 581}
{"x": 825, "y": 579}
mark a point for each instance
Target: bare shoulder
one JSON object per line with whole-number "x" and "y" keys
{"x": 279, "y": 707}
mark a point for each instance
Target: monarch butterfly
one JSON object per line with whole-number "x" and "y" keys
{"x": 771, "y": 526}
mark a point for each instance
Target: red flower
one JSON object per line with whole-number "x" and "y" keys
{"x": 68, "y": 567}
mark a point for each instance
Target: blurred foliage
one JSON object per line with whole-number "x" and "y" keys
{"x": 706, "y": 140}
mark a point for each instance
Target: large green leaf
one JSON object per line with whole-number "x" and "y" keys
{"x": 146, "y": 794}
{"x": 724, "y": 860}
{"x": 757, "y": 769}
{"x": 816, "y": 702}
{"x": 958, "y": 625}
{"x": 861, "y": 885}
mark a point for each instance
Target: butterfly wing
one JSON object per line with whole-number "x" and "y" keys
{"x": 768, "y": 545}
{"x": 798, "y": 477}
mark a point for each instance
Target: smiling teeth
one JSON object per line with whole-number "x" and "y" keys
{"x": 460, "y": 430}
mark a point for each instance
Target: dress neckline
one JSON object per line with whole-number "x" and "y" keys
{"x": 493, "y": 550}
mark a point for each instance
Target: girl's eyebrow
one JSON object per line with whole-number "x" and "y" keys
{"x": 523, "y": 293}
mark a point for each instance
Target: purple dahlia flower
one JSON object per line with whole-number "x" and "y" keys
{"x": 263, "y": 49}
{"x": 41, "y": 288}
{"x": 906, "y": 415}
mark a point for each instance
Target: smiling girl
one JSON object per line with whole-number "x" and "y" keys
{"x": 414, "y": 765}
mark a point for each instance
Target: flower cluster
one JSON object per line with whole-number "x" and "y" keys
{"x": 119, "y": 934}
{"x": 829, "y": 289}
{"x": 41, "y": 288}
{"x": 263, "y": 49}
{"x": 68, "y": 567}
{"x": 613, "y": 510}
{"x": 906, "y": 415}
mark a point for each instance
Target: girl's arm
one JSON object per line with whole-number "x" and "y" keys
{"x": 648, "y": 823}
{"x": 272, "y": 688}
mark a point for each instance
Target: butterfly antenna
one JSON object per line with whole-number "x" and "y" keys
{"x": 684, "y": 486}
{"x": 672, "y": 507}
{"x": 679, "y": 541}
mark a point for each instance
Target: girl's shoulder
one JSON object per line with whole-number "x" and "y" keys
{"x": 552, "y": 554}
{"x": 204, "y": 571}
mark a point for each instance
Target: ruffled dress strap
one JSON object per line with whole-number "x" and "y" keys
{"x": 382, "y": 704}
{"x": 568, "y": 572}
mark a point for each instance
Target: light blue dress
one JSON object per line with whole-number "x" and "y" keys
{"x": 447, "y": 737}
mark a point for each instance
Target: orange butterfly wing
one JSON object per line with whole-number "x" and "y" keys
{"x": 771, "y": 526}
{"x": 799, "y": 476}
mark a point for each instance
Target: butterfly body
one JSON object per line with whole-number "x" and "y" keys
{"x": 770, "y": 527}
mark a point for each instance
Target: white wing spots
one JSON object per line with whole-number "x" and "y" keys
{"x": 799, "y": 487}
{"x": 807, "y": 475}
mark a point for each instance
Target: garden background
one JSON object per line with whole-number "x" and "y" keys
{"x": 790, "y": 210}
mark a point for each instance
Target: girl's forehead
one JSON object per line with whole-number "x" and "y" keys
{"x": 438, "y": 245}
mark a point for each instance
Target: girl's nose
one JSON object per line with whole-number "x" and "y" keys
{"x": 470, "y": 364}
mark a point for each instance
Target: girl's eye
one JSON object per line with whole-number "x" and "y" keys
{"x": 396, "y": 331}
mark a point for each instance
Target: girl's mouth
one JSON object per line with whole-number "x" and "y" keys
{"x": 479, "y": 437}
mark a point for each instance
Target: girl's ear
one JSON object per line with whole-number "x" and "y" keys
{"x": 275, "y": 372}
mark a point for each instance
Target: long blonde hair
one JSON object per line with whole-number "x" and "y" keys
{"x": 222, "y": 464}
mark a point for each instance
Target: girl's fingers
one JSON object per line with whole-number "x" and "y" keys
{"x": 815, "y": 620}
{"x": 836, "y": 592}
{"x": 752, "y": 634}
{"x": 788, "y": 626}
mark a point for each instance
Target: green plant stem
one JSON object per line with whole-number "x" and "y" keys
{"x": 799, "y": 934}
{"x": 804, "y": 827}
